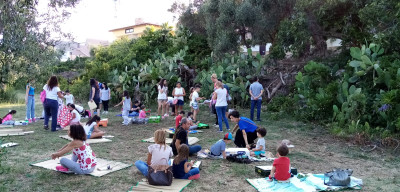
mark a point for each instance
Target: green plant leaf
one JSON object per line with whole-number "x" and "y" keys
{"x": 353, "y": 79}
{"x": 354, "y": 63}
{"x": 355, "y": 52}
{"x": 366, "y": 60}
{"x": 352, "y": 89}
{"x": 335, "y": 109}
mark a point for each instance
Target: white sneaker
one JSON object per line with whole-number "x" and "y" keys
{"x": 166, "y": 115}
{"x": 215, "y": 125}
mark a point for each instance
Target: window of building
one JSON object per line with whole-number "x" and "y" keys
{"x": 127, "y": 31}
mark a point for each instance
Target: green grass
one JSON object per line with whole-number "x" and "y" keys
{"x": 315, "y": 151}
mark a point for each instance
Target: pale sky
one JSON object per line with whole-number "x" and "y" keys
{"x": 94, "y": 18}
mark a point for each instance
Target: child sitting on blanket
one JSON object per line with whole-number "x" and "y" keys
{"x": 219, "y": 147}
{"x": 281, "y": 166}
{"x": 142, "y": 113}
{"x": 159, "y": 153}
{"x": 76, "y": 117}
{"x": 92, "y": 128}
{"x": 83, "y": 158}
{"x": 8, "y": 117}
{"x": 179, "y": 118}
{"x": 260, "y": 146}
{"x": 182, "y": 169}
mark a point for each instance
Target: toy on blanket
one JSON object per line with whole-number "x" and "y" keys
{"x": 154, "y": 119}
{"x": 266, "y": 170}
{"x": 103, "y": 123}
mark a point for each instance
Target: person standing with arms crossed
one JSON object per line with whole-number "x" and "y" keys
{"x": 256, "y": 91}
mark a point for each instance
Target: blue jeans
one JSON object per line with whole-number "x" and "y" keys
{"x": 72, "y": 165}
{"x": 30, "y": 107}
{"x": 50, "y": 108}
{"x": 194, "y": 149}
{"x": 192, "y": 172}
{"x": 142, "y": 166}
{"x": 221, "y": 115}
{"x": 253, "y": 103}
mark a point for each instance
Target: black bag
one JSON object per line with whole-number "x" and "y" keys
{"x": 338, "y": 177}
{"x": 238, "y": 158}
{"x": 160, "y": 175}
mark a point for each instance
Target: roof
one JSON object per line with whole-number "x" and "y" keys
{"x": 133, "y": 26}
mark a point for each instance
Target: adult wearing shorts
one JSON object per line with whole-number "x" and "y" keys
{"x": 162, "y": 97}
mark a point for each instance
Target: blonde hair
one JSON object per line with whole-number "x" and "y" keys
{"x": 159, "y": 138}
{"x": 214, "y": 76}
{"x": 183, "y": 154}
{"x": 219, "y": 84}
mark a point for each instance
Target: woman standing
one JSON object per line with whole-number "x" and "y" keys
{"x": 220, "y": 95}
{"x": 178, "y": 93}
{"x": 162, "y": 96}
{"x": 94, "y": 95}
{"x": 30, "y": 101}
{"x": 105, "y": 95}
{"x": 51, "y": 104}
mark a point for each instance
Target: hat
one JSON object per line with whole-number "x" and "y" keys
{"x": 228, "y": 136}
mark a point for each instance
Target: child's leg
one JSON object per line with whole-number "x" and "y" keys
{"x": 33, "y": 107}
{"x": 159, "y": 107}
{"x": 192, "y": 172}
{"x": 71, "y": 165}
{"x": 125, "y": 116}
{"x": 193, "y": 127}
{"x": 142, "y": 166}
{"x": 195, "y": 115}
{"x": 176, "y": 110}
{"x": 97, "y": 134}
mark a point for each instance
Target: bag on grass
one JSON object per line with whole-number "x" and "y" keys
{"x": 338, "y": 177}
{"x": 160, "y": 174}
{"x": 238, "y": 158}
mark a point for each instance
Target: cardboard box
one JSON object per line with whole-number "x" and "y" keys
{"x": 266, "y": 170}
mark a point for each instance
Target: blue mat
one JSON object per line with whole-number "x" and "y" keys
{"x": 311, "y": 183}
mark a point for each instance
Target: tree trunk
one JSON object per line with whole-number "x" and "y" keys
{"x": 316, "y": 31}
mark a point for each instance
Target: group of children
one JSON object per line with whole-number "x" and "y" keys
{"x": 137, "y": 109}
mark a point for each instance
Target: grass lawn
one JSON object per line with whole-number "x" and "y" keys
{"x": 315, "y": 151}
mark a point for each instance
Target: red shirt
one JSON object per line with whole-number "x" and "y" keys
{"x": 177, "y": 120}
{"x": 282, "y": 168}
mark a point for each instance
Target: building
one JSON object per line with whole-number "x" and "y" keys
{"x": 72, "y": 50}
{"x": 133, "y": 31}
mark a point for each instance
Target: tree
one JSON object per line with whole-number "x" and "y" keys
{"x": 25, "y": 43}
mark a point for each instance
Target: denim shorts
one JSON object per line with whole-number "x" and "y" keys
{"x": 180, "y": 102}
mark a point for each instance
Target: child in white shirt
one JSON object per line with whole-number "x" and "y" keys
{"x": 69, "y": 98}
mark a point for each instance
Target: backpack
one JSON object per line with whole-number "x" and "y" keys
{"x": 43, "y": 96}
{"x": 338, "y": 177}
{"x": 238, "y": 158}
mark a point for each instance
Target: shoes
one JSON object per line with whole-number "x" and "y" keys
{"x": 166, "y": 115}
{"x": 215, "y": 125}
{"x": 33, "y": 120}
{"x": 258, "y": 120}
{"x": 220, "y": 131}
{"x": 63, "y": 169}
{"x": 228, "y": 129}
{"x": 46, "y": 127}
{"x": 194, "y": 177}
{"x": 29, "y": 121}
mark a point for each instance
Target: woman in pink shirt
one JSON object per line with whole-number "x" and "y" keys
{"x": 8, "y": 117}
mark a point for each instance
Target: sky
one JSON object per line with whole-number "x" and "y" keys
{"x": 94, "y": 18}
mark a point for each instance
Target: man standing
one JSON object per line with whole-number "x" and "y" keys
{"x": 256, "y": 90}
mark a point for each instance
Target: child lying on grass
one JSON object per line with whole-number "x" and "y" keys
{"x": 219, "y": 147}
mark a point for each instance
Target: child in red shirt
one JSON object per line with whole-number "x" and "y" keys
{"x": 179, "y": 118}
{"x": 281, "y": 166}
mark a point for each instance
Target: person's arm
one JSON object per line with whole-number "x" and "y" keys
{"x": 224, "y": 154}
{"x": 173, "y": 93}
{"x": 245, "y": 139}
{"x": 258, "y": 149}
{"x": 214, "y": 97}
{"x": 93, "y": 93}
{"x": 251, "y": 93}
{"x": 160, "y": 90}
{"x": 60, "y": 95}
{"x": 66, "y": 145}
{"x": 73, "y": 144}
{"x": 100, "y": 94}
{"x": 235, "y": 128}
{"x": 184, "y": 93}
{"x": 119, "y": 103}
{"x": 272, "y": 172}
{"x": 73, "y": 116}
{"x": 177, "y": 143}
{"x": 149, "y": 159}
{"x": 188, "y": 166}
{"x": 26, "y": 95}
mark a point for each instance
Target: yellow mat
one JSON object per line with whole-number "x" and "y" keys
{"x": 90, "y": 141}
{"x": 13, "y": 132}
{"x": 191, "y": 140}
{"x": 176, "y": 186}
{"x": 101, "y": 167}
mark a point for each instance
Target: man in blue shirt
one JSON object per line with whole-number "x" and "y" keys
{"x": 256, "y": 90}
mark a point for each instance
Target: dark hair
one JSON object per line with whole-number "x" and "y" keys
{"x": 136, "y": 101}
{"x": 255, "y": 78}
{"x": 105, "y": 86}
{"x": 178, "y": 83}
{"x": 235, "y": 114}
{"x": 72, "y": 106}
{"x": 262, "y": 131}
{"x": 183, "y": 154}
{"x": 197, "y": 86}
{"x": 68, "y": 104}
{"x": 220, "y": 80}
{"x": 77, "y": 132}
{"x": 283, "y": 150}
{"x": 52, "y": 82}
{"x": 126, "y": 94}
{"x": 161, "y": 83}
{"x": 190, "y": 113}
{"x": 142, "y": 107}
{"x": 11, "y": 112}
{"x": 182, "y": 112}
{"x": 93, "y": 119}
{"x": 94, "y": 83}
{"x": 179, "y": 128}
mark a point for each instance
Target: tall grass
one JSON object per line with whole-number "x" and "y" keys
{"x": 11, "y": 95}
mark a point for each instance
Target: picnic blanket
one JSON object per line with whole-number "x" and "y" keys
{"x": 13, "y": 132}
{"x": 310, "y": 183}
{"x": 191, "y": 140}
{"x": 90, "y": 141}
{"x": 64, "y": 117}
{"x": 176, "y": 186}
{"x": 8, "y": 145}
{"x": 101, "y": 167}
{"x": 6, "y": 126}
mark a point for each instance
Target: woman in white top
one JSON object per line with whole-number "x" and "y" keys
{"x": 178, "y": 93}
{"x": 51, "y": 104}
{"x": 105, "y": 96}
{"x": 159, "y": 153}
{"x": 162, "y": 96}
{"x": 220, "y": 95}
